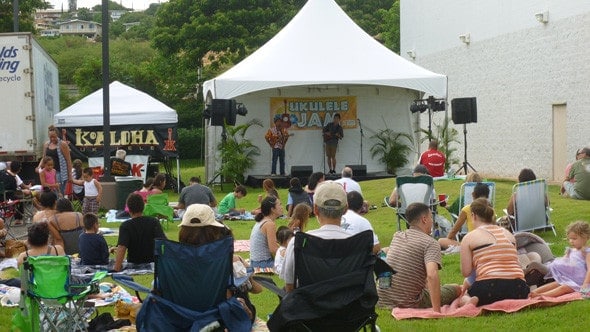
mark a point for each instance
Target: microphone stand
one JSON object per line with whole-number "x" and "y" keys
{"x": 362, "y": 135}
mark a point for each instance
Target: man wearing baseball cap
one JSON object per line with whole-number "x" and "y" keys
{"x": 329, "y": 204}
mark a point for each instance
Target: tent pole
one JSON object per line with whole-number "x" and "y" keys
{"x": 178, "y": 174}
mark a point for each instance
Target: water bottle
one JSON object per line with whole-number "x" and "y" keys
{"x": 384, "y": 280}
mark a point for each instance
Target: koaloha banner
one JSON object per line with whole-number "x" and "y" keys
{"x": 315, "y": 113}
{"x": 157, "y": 141}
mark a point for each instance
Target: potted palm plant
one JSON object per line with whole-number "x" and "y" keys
{"x": 392, "y": 148}
{"x": 237, "y": 152}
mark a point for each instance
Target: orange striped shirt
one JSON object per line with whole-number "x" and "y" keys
{"x": 499, "y": 260}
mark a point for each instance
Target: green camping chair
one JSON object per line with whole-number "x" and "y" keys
{"x": 49, "y": 301}
{"x": 157, "y": 206}
{"x": 412, "y": 189}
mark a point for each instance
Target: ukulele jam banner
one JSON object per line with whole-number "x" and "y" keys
{"x": 157, "y": 140}
{"x": 314, "y": 113}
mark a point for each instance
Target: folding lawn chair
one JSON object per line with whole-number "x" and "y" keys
{"x": 466, "y": 197}
{"x": 157, "y": 206}
{"x": 412, "y": 189}
{"x": 49, "y": 299}
{"x": 531, "y": 207}
{"x": 190, "y": 289}
{"x": 335, "y": 287}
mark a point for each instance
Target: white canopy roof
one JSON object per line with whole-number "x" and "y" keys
{"x": 322, "y": 45}
{"x": 127, "y": 106}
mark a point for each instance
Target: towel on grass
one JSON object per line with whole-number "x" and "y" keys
{"x": 469, "y": 310}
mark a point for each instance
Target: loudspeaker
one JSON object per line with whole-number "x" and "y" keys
{"x": 219, "y": 110}
{"x": 358, "y": 170}
{"x": 464, "y": 110}
{"x": 301, "y": 172}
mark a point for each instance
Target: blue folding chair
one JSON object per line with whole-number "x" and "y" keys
{"x": 190, "y": 289}
{"x": 531, "y": 207}
{"x": 466, "y": 197}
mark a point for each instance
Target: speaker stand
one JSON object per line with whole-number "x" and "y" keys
{"x": 465, "y": 164}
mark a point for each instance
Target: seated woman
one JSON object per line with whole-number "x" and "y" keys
{"x": 480, "y": 190}
{"x": 268, "y": 186}
{"x": 199, "y": 227}
{"x": 454, "y": 207}
{"x": 47, "y": 200}
{"x": 296, "y": 196}
{"x": 38, "y": 243}
{"x": 66, "y": 226}
{"x": 313, "y": 181}
{"x": 490, "y": 251}
{"x": 159, "y": 184}
{"x": 263, "y": 240}
{"x": 525, "y": 175}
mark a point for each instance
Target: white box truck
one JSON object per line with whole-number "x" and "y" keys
{"x": 29, "y": 98}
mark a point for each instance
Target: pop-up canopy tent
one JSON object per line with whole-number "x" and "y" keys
{"x": 140, "y": 124}
{"x": 320, "y": 57}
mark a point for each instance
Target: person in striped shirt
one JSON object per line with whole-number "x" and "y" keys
{"x": 416, "y": 257}
{"x": 490, "y": 251}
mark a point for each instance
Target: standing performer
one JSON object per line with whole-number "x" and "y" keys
{"x": 277, "y": 137}
{"x": 332, "y": 133}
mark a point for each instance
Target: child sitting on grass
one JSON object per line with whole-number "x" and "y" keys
{"x": 228, "y": 203}
{"x": 93, "y": 247}
{"x": 570, "y": 272}
{"x": 300, "y": 216}
{"x": 284, "y": 235}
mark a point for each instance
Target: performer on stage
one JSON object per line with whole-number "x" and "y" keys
{"x": 332, "y": 133}
{"x": 277, "y": 137}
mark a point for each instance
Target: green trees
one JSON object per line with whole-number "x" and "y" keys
{"x": 26, "y": 10}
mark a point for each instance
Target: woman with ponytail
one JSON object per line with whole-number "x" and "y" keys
{"x": 263, "y": 240}
{"x": 490, "y": 251}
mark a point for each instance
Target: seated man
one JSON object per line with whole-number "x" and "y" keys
{"x": 329, "y": 205}
{"x": 137, "y": 235}
{"x": 353, "y": 222}
{"x": 418, "y": 171}
{"x": 416, "y": 257}
{"x": 433, "y": 159}
{"x": 580, "y": 173}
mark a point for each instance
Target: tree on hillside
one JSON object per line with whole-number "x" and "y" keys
{"x": 141, "y": 31}
{"x": 84, "y": 14}
{"x": 368, "y": 14}
{"x": 390, "y": 28}
{"x": 25, "y": 18}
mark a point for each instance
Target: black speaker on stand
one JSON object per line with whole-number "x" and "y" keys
{"x": 464, "y": 111}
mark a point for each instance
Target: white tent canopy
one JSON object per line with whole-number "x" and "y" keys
{"x": 322, "y": 53}
{"x": 127, "y": 106}
{"x": 322, "y": 45}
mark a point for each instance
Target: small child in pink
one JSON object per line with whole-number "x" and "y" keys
{"x": 48, "y": 175}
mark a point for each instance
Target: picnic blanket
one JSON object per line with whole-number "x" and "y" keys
{"x": 469, "y": 310}
{"x": 241, "y": 245}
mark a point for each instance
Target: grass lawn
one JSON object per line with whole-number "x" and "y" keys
{"x": 560, "y": 318}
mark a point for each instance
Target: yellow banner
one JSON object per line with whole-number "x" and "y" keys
{"x": 314, "y": 113}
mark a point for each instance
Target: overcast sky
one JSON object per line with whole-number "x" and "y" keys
{"x": 135, "y": 4}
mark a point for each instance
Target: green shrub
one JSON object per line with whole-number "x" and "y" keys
{"x": 190, "y": 143}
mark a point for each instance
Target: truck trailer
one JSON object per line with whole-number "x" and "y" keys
{"x": 29, "y": 98}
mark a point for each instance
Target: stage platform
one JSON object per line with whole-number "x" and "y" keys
{"x": 255, "y": 181}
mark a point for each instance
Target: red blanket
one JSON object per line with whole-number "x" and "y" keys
{"x": 469, "y": 310}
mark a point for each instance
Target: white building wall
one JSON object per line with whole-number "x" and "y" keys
{"x": 517, "y": 67}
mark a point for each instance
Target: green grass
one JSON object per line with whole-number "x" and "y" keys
{"x": 560, "y": 318}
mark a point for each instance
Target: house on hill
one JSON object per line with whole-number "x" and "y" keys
{"x": 80, "y": 28}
